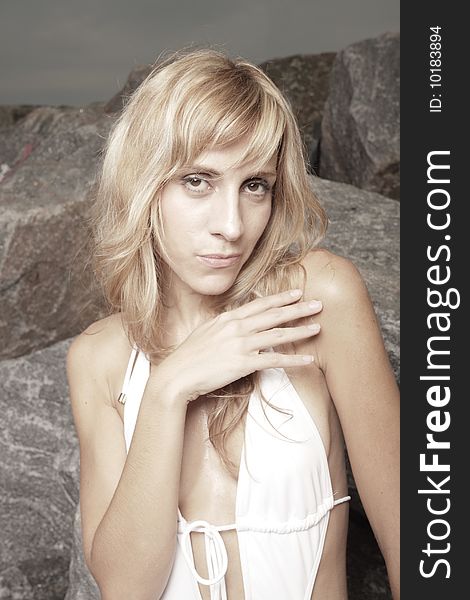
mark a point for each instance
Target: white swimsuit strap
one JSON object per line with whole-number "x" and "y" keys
{"x": 127, "y": 378}
{"x": 341, "y": 500}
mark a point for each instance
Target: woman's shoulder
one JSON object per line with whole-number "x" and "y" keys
{"x": 338, "y": 284}
{"x": 100, "y": 354}
{"x": 105, "y": 337}
{"x": 331, "y": 277}
{"x": 348, "y": 316}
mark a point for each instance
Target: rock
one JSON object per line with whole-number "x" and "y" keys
{"x": 367, "y": 575}
{"x": 135, "y": 78}
{"x": 82, "y": 586}
{"x": 10, "y": 114}
{"x": 360, "y": 130}
{"x": 25, "y": 125}
{"x": 46, "y": 292}
{"x": 38, "y": 476}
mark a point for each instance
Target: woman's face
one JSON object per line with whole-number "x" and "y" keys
{"x": 213, "y": 215}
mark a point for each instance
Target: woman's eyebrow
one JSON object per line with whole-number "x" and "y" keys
{"x": 210, "y": 171}
{"x": 266, "y": 174}
{"x": 202, "y": 169}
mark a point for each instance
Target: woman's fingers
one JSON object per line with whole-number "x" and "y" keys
{"x": 266, "y": 302}
{"x": 275, "y": 360}
{"x": 283, "y": 335}
{"x": 280, "y": 315}
{"x": 227, "y": 347}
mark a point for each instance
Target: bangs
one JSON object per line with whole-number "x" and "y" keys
{"x": 224, "y": 114}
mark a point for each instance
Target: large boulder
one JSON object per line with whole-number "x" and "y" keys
{"x": 134, "y": 79}
{"x": 38, "y": 476}
{"x": 82, "y": 586}
{"x": 360, "y": 141}
{"x": 46, "y": 294}
{"x": 10, "y": 114}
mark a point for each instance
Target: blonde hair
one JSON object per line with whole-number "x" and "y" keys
{"x": 193, "y": 102}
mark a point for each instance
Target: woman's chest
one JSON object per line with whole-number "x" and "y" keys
{"x": 208, "y": 493}
{"x": 280, "y": 479}
{"x": 208, "y": 488}
{"x": 284, "y": 437}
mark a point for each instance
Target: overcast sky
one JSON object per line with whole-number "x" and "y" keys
{"x": 79, "y": 51}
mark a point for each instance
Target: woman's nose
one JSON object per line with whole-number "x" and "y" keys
{"x": 225, "y": 218}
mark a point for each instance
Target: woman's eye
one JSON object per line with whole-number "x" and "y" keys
{"x": 196, "y": 184}
{"x": 257, "y": 188}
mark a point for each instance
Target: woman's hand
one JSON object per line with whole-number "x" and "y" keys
{"x": 230, "y": 345}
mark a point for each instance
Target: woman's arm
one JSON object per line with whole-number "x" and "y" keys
{"x": 128, "y": 503}
{"x": 351, "y": 353}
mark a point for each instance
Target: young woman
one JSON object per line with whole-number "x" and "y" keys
{"x": 212, "y": 405}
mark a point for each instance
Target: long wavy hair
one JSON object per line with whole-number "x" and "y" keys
{"x": 192, "y": 102}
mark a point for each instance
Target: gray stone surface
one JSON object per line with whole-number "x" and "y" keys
{"x": 82, "y": 586}
{"x": 10, "y": 114}
{"x": 367, "y": 578}
{"x": 360, "y": 130}
{"x": 38, "y": 476}
{"x": 134, "y": 79}
{"x": 45, "y": 293}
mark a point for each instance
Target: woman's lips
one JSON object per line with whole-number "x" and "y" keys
{"x": 219, "y": 261}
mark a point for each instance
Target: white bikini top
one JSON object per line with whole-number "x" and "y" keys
{"x": 284, "y": 496}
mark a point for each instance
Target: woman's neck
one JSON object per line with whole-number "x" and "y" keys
{"x": 182, "y": 314}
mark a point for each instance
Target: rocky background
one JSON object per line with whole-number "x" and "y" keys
{"x": 348, "y": 110}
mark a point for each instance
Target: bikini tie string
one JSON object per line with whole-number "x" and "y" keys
{"x": 216, "y": 552}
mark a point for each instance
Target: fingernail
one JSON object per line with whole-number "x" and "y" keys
{"x": 295, "y": 293}
{"x": 314, "y": 327}
{"x": 307, "y": 359}
{"x": 315, "y": 304}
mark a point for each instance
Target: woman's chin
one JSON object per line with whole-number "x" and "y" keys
{"x": 214, "y": 287}
{"x": 216, "y": 290}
